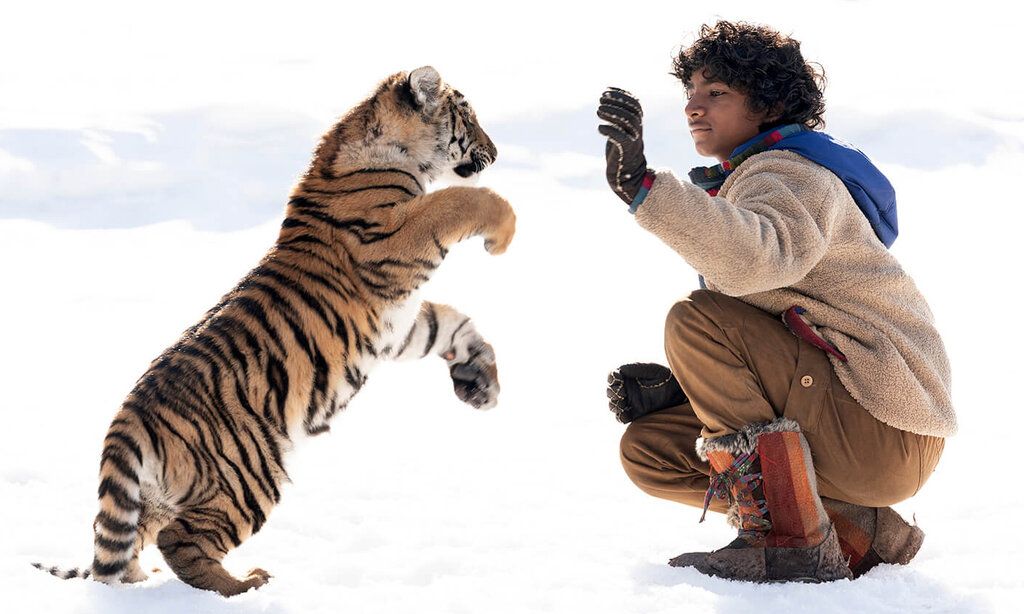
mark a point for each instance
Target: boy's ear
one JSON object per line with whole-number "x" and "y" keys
{"x": 425, "y": 87}
{"x": 774, "y": 114}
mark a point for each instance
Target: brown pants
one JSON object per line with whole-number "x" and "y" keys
{"x": 738, "y": 365}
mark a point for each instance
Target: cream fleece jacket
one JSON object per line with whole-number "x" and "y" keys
{"x": 784, "y": 231}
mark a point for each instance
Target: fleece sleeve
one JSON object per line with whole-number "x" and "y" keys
{"x": 768, "y": 233}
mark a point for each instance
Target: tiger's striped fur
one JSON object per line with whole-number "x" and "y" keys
{"x": 194, "y": 459}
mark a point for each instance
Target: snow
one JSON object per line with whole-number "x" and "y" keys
{"x": 128, "y": 209}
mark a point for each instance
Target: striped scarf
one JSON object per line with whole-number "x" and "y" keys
{"x": 711, "y": 178}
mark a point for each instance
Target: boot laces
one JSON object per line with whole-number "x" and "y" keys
{"x": 737, "y": 484}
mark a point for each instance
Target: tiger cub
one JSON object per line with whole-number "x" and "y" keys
{"x": 194, "y": 459}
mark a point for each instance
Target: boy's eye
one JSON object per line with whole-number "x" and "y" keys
{"x": 715, "y": 93}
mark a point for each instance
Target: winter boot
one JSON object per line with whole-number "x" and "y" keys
{"x": 872, "y": 535}
{"x": 765, "y": 472}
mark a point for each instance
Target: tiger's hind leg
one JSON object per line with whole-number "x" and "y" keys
{"x": 150, "y": 525}
{"x": 195, "y": 544}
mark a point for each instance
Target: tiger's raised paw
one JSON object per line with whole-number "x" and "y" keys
{"x": 475, "y": 375}
{"x": 501, "y": 225}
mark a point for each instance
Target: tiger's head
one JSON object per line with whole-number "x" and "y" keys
{"x": 413, "y": 121}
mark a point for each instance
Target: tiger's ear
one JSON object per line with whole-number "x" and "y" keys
{"x": 425, "y": 87}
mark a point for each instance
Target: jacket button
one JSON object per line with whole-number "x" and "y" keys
{"x": 807, "y": 381}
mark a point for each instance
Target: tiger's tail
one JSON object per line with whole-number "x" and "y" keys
{"x": 116, "y": 527}
{"x": 65, "y": 574}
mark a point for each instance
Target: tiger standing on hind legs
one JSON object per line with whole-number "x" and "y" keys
{"x": 194, "y": 459}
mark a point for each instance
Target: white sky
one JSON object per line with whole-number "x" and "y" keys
{"x": 112, "y": 64}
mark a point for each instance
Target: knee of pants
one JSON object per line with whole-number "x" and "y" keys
{"x": 649, "y": 455}
{"x": 637, "y": 456}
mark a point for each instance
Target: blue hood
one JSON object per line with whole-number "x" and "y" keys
{"x": 869, "y": 187}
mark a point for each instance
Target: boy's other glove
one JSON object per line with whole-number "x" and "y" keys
{"x": 637, "y": 389}
{"x": 624, "y": 152}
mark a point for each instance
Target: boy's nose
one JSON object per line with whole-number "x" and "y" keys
{"x": 693, "y": 109}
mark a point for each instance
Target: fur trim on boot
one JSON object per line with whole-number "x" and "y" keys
{"x": 745, "y": 440}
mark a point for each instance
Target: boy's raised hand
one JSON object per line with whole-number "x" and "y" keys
{"x": 624, "y": 152}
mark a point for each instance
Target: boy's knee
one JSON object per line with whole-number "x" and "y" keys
{"x": 649, "y": 452}
{"x": 638, "y": 454}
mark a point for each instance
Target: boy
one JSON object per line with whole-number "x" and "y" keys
{"x": 807, "y": 341}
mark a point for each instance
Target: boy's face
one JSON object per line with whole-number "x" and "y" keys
{"x": 718, "y": 117}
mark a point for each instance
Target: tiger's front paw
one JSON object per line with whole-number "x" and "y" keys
{"x": 474, "y": 374}
{"x": 500, "y": 225}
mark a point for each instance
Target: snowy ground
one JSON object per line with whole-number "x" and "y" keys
{"x": 415, "y": 502}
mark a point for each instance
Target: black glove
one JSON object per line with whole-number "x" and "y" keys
{"x": 624, "y": 152}
{"x": 637, "y": 389}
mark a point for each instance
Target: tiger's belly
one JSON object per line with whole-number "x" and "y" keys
{"x": 349, "y": 378}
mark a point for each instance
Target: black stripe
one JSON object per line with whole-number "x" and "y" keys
{"x": 287, "y": 311}
{"x": 339, "y": 191}
{"x": 383, "y": 170}
{"x": 112, "y": 525}
{"x": 432, "y": 323}
{"x": 456, "y": 331}
{"x": 237, "y": 357}
{"x": 295, "y": 287}
{"x": 272, "y": 445}
{"x": 113, "y": 544}
{"x": 118, "y": 493}
{"x": 319, "y": 393}
{"x": 226, "y": 325}
{"x": 113, "y": 455}
{"x": 107, "y": 569}
{"x": 304, "y": 238}
{"x": 317, "y": 430}
{"x": 254, "y": 309}
{"x": 291, "y": 222}
{"x": 277, "y": 377}
{"x": 303, "y": 203}
{"x": 441, "y": 249}
{"x": 264, "y": 466}
{"x": 341, "y": 285}
{"x": 128, "y": 442}
{"x": 268, "y": 486}
{"x": 408, "y": 339}
{"x": 366, "y": 232}
{"x": 207, "y": 343}
{"x": 140, "y": 415}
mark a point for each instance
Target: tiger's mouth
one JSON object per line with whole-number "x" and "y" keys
{"x": 468, "y": 169}
{"x": 477, "y": 162}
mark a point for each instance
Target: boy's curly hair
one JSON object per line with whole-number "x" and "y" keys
{"x": 761, "y": 63}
